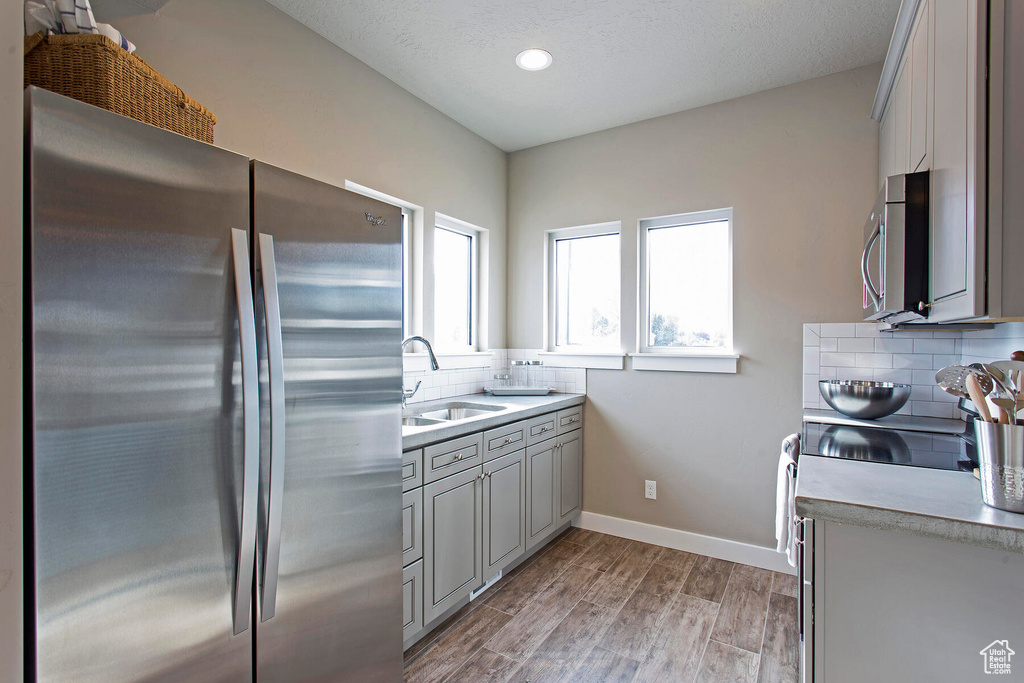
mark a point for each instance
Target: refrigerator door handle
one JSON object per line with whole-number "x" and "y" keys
{"x": 275, "y": 367}
{"x": 250, "y": 428}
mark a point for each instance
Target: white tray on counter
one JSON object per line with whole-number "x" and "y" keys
{"x": 519, "y": 391}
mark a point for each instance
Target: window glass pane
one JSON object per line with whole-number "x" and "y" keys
{"x": 406, "y": 283}
{"x": 688, "y": 285}
{"x": 587, "y": 291}
{"x": 453, "y": 272}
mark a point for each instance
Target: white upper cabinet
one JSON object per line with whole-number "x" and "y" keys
{"x": 933, "y": 109}
{"x": 917, "y": 59}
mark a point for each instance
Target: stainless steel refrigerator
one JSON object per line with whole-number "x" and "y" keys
{"x": 215, "y": 438}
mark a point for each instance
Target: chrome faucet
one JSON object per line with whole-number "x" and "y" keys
{"x": 406, "y": 393}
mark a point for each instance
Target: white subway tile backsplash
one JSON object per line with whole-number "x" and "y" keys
{"x": 867, "y": 329}
{"x": 934, "y": 346}
{"x": 811, "y": 334}
{"x": 838, "y": 360}
{"x": 921, "y": 393}
{"x": 924, "y": 377}
{"x": 862, "y": 351}
{"x": 856, "y": 345}
{"x": 912, "y": 361}
{"x": 828, "y": 373}
{"x": 874, "y": 360}
{"x": 890, "y": 345}
{"x": 897, "y": 376}
{"x": 811, "y": 359}
{"x": 838, "y": 330}
{"x": 932, "y": 409}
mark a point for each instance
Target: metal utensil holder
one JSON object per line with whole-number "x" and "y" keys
{"x": 1001, "y": 460}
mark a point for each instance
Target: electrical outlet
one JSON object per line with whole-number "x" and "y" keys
{"x": 651, "y": 489}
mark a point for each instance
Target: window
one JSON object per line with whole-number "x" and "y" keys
{"x": 456, "y": 249}
{"x": 686, "y": 283}
{"x": 408, "y": 216}
{"x": 583, "y": 289}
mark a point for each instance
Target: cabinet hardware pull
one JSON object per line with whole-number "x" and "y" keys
{"x": 487, "y": 474}
{"x": 458, "y": 456}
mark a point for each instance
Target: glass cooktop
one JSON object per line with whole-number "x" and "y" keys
{"x": 891, "y": 446}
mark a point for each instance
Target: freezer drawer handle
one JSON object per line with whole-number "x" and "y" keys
{"x": 250, "y": 430}
{"x": 275, "y": 367}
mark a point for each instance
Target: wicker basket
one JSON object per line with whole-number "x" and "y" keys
{"x": 94, "y": 69}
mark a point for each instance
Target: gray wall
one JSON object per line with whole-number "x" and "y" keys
{"x": 11, "y": 42}
{"x": 288, "y": 97}
{"x": 798, "y": 164}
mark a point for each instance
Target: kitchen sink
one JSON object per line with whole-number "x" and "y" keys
{"x": 458, "y": 410}
{"x": 417, "y": 421}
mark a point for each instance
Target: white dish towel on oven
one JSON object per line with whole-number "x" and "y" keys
{"x": 785, "y": 500}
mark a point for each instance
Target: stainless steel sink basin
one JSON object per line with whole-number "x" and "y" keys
{"x": 459, "y": 410}
{"x": 417, "y": 421}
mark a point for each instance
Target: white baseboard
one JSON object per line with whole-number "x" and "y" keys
{"x": 723, "y": 549}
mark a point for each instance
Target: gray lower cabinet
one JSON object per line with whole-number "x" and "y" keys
{"x": 452, "y": 537}
{"x": 570, "y": 475}
{"x": 504, "y": 511}
{"x": 540, "y": 488}
{"x": 412, "y": 600}
{"x": 412, "y": 526}
{"x": 483, "y": 507}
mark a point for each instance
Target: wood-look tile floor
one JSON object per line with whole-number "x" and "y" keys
{"x": 592, "y": 608}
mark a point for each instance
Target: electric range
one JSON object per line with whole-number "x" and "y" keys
{"x": 890, "y": 446}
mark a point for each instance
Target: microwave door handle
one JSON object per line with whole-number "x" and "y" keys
{"x": 250, "y": 430}
{"x": 865, "y": 271}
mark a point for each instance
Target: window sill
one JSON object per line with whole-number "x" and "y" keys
{"x": 686, "y": 362}
{"x": 412, "y": 362}
{"x": 589, "y": 360}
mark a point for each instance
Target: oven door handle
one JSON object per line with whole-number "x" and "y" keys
{"x": 865, "y": 271}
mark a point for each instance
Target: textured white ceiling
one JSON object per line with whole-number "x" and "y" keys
{"x": 615, "y": 62}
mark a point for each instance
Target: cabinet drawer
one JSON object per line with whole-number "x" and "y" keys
{"x": 412, "y": 600}
{"x": 507, "y": 439}
{"x": 412, "y": 469}
{"x": 412, "y": 526}
{"x": 540, "y": 428}
{"x": 453, "y": 456}
{"x": 570, "y": 419}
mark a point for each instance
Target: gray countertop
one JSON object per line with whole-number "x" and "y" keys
{"x": 938, "y": 503}
{"x": 912, "y": 423}
{"x": 514, "y": 408}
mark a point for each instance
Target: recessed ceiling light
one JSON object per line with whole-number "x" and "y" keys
{"x": 533, "y": 59}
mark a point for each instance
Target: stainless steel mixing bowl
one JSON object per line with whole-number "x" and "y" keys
{"x": 864, "y": 400}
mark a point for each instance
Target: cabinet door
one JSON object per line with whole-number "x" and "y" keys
{"x": 452, "y": 540}
{"x": 569, "y": 458}
{"x": 918, "y": 66}
{"x": 901, "y": 122}
{"x": 412, "y": 526}
{"x": 540, "y": 492}
{"x": 957, "y": 270}
{"x": 504, "y": 519}
{"x": 886, "y": 145}
{"x": 412, "y": 600}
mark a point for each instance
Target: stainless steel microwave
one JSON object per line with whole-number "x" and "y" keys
{"x": 894, "y": 264}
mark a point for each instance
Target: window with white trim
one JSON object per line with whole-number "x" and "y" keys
{"x": 583, "y": 289}
{"x": 456, "y": 285}
{"x": 686, "y": 283}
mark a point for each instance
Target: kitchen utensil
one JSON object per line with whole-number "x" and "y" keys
{"x": 974, "y": 390}
{"x": 862, "y": 399}
{"x": 951, "y": 379}
{"x": 1001, "y": 460}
